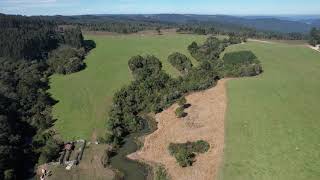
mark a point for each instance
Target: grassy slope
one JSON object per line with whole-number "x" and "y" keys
{"x": 273, "y": 120}
{"x": 84, "y": 97}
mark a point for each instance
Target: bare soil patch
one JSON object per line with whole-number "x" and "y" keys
{"x": 90, "y": 167}
{"x": 205, "y": 121}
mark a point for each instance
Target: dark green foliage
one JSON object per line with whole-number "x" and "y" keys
{"x": 314, "y": 37}
{"x": 73, "y": 37}
{"x": 210, "y": 50}
{"x": 185, "y": 152}
{"x": 242, "y": 63}
{"x": 199, "y": 78}
{"x": 181, "y": 62}
{"x": 25, "y": 106}
{"x": 50, "y": 151}
{"x": 66, "y": 60}
{"x": 234, "y": 39}
{"x": 184, "y": 158}
{"x": 153, "y": 90}
{"x": 144, "y": 67}
{"x": 23, "y": 37}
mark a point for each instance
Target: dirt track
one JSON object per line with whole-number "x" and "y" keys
{"x": 205, "y": 121}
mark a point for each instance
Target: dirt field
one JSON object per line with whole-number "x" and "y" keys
{"x": 89, "y": 168}
{"x": 205, "y": 121}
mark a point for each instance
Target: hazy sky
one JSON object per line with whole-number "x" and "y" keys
{"x": 232, "y": 7}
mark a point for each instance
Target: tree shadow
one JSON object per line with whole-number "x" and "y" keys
{"x": 89, "y": 45}
{"x": 186, "y": 106}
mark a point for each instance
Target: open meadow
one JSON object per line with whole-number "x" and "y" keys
{"x": 85, "y": 97}
{"x": 272, "y": 125}
{"x": 272, "y": 121}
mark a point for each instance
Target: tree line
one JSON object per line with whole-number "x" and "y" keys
{"x": 153, "y": 89}
{"x": 32, "y": 49}
{"x": 314, "y": 37}
{"x": 135, "y": 23}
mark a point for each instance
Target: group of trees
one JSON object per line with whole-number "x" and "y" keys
{"x": 185, "y": 152}
{"x": 25, "y": 106}
{"x": 180, "y": 61}
{"x": 153, "y": 90}
{"x": 216, "y": 29}
{"x": 314, "y": 36}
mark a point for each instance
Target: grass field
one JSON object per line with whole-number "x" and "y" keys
{"x": 84, "y": 97}
{"x": 273, "y": 120}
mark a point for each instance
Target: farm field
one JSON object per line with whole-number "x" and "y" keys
{"x": 272, "y": 121}
{"x": 84, "y": 97}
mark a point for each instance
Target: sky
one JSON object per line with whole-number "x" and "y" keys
{"x": 228, "y": 7}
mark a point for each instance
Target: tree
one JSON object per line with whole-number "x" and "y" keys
{"x": 181, "y": 62}
{"x": 158, "y": 29}
{"x": 314, "y": 36}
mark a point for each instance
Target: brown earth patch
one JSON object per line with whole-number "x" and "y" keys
{"x": 90, "y": 167}
{"x": 205, "y": 121}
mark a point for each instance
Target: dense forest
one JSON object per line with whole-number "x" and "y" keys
{"x": 154, "y": 90}
{"x": 183, "y": 23}
{"x": 314, "y": 36}
{"x": 31, "y": 50}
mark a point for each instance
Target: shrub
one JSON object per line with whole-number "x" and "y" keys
{"x": 181, "y": 62}
{"x": 200, "y": 146}
{"x": 179, "y": 112}
{"x": 66, "y": 60}
{"x": 185, "y": 152}
{"x": 182, "y": 101}
{"x": 184, "y": 157}
{"x": 240, "y": 64}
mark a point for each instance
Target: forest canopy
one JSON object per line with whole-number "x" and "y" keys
{"x": 32, "y": 49}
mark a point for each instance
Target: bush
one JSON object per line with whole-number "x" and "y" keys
{"x": 185, "y": 152}
{"x": 66, "y": 60}
{"x": 184, "y": 158}
{"x": 181, "y": 62}
{"x": 182, "y": 101}
{"x": 180, "y": 112}
{"x": 240, "y": 64}
{"x": 209, "y": 50}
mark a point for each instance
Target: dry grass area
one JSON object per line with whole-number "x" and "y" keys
{"x": 89, "y": 168}
{"x": 205, "y": 121}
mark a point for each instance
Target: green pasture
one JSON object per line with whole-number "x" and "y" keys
{"x": 273, "y": 121}
{"x": 85, "y": 97}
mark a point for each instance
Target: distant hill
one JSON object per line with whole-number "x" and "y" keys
{"x": 259, "y": 23}
{"x": 282, "y": 24}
